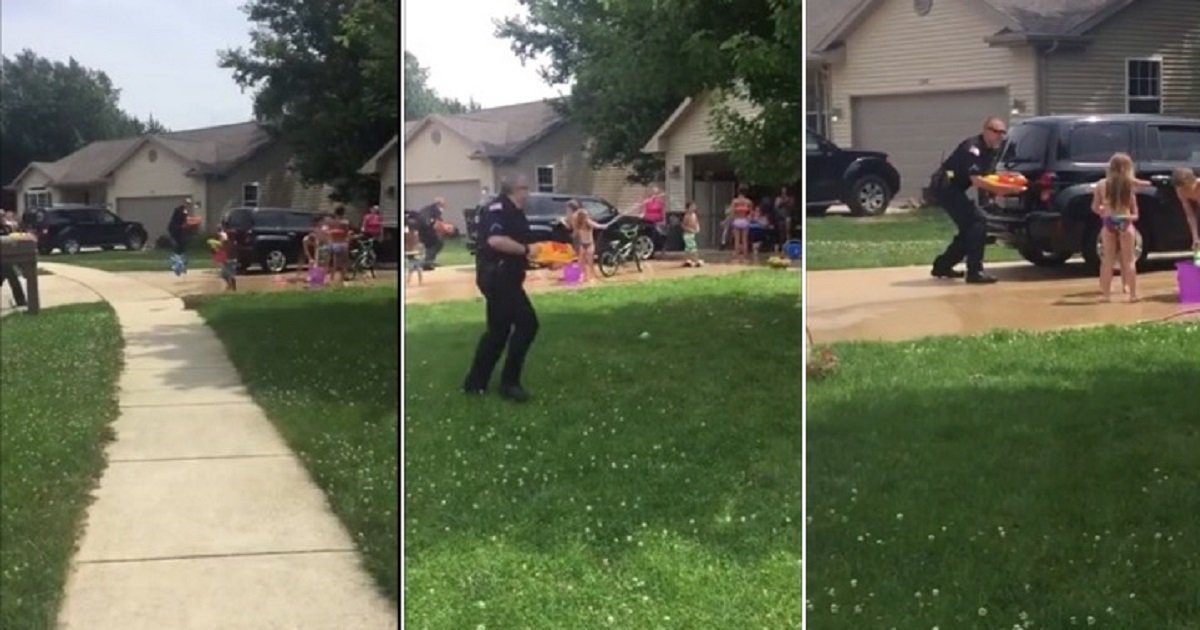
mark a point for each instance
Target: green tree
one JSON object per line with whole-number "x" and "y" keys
{"x": 631, "y": 62}
{"x": 51, "y": 109}
{"x": 420, "y": 100}
{"x": 323, "y": 82}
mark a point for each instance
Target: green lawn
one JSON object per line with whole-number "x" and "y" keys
{"x": 916, "y": 238}
{"x": 652, "y": 483}
{"x": 199, "y": 257}
{"x": 57, "y": 397}
{"x": 1008, "y": 481}
{"x": 323, "y": 366}
{"x": 455, "y": 253}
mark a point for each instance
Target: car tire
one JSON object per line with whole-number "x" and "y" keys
{"x": 135, "y": 242}
{"x": 274, "y": 261}
{"x": 1042, "y": 258}
{"x": 817, "y": 211}
{"x": 644, "y": 246}
{"x": 70, "y": 246}
{"x": 1091, "y": 246}
{"x": 869, "y": 196}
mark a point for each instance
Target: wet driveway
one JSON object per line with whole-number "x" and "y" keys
{"x": 902, "y": 303}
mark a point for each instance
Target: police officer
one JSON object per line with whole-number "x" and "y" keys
{"x": 500, "y": 261}
{"x": 970, "y": 162}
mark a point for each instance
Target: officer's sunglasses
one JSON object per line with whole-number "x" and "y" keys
{"x": 999, "y": 132}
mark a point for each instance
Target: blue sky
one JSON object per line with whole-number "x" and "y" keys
{"x": 162, "y": 54}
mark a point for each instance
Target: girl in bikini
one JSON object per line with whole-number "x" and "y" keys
{"x": 740, "y": 210}
{"x": 1115, "y": 200}
{"x": 583, "y": 235}
{"x": 1187, "y": 187}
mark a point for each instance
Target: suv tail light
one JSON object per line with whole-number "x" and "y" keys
{"x": 1045, "y": 184}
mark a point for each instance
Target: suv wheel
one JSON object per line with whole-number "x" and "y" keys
{"x": 1093, "y": 246}
{"x": 274, "y": 261}
{"x": 70, "y": 246}
{"x": 1043, "y": 258}
{"x": 135, "y": 242}
{"x": 869, "y": 196}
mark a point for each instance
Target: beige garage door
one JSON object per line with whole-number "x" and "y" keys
{"x": 918, "y": 131}
{"x": 458, "y": 195}
{"x": 152, "y": 212}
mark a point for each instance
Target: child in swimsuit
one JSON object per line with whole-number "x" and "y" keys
{"x": 691, "y": 228}
{"x": 1187, "y": 188}
{"x": 1115, "y": 200}
{"x": 740, "y": 209}
{"x": 583, "y": 228}
{"x": 412, "y": 255}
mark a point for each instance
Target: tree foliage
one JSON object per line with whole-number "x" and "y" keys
{"x": 49, "y": 110}
{"x": 631, "y": 63}
{"x": 324, "y": 76}
{"x": 420, "y": 100}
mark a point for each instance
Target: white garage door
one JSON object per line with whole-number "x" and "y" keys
{"x": 458, "y": 195}
{"x": 152, "y": 212}
{"x": 918, "y": 131}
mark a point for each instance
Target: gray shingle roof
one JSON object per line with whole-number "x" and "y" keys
{"x": 208, "y": 151}
{"x": 1025, "y": 17}
{"x": 500, "y": 132}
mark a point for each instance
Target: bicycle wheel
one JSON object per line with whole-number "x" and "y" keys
{"x": 609, "y": 262}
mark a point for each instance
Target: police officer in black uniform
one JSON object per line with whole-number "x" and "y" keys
{"x": 973, "y": 159}
{"x": 500, "y": 262}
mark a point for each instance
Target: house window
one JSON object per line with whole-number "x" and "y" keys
{"x": 37, "y": 198}
{"x": 545, "y": 179}
{"x": 1143, "y": 86}
{"x": 250, "y": 195}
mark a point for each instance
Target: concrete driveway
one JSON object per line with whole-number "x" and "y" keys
{"x": 900, "y": 303}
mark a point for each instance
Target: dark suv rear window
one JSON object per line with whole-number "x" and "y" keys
{"x": 1174, "y": 143}
{"x": 1026, "y": 144}
{"x": 1095, "y": 143}
{"x": 239, "y": 220}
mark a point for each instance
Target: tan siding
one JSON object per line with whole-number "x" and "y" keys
{"x": 693, "y": 135}
{"x": 389, "y": 167}
{"x": 35, "y": 178}
{"x": 1092, "y": 80}
{"x": 449, "y": 161}
{"x": 139, "y": 177}
{"x": 563, "y": 149}
{"x": 895, "y": 51}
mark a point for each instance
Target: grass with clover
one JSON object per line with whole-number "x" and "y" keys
{"x": 894, "y": 240}
{"x": 1010, "y": 480}
{"x": 149, "y": 259}
{"x": 58, "y": 375}
{"x": 323, "y": 366}
{"x": 652, "y": 483}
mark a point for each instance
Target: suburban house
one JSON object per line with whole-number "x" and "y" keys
{"x": 386, "y": 166}
{"x": 696, "y": 168}
{"x": 914, "y": 77}
{"x": 144, "y": 178}
{"x": 463, "y": 158}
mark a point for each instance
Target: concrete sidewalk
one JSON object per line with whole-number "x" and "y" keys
{"x": 204, "y": 518}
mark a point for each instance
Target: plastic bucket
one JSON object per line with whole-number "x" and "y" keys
{"x": 571, "y": 273}
{"x": 1188, "y": 275}
{"x": 793, "y": 249}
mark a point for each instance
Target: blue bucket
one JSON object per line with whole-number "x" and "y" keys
{"x": 793, "y": 249}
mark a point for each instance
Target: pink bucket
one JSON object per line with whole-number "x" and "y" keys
{"x": 316, "y": 277}
{"x": 571, "y": 273}
{"x": 1188, "y": 274}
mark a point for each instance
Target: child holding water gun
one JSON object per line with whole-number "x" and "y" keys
{"x": 1115, "y": 200}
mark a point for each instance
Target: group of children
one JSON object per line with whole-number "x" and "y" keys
{"x": 1115, "y": 201}
{"x": 583, "y": 237}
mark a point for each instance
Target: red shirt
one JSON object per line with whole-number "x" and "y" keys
{"x": 372, "y": 224}
{"x": 652, "y": 209}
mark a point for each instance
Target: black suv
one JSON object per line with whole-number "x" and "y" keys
{"x": 863, "y": 180}
{"x": 272, "y": 238}
{"x": 546, "y": 211}
{"x": 70, "y": 228}
{"x": 1063, "y": 157}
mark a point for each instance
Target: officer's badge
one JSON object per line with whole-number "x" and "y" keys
{"x": 500, "y": 206}
{"x": 974, "y": 150}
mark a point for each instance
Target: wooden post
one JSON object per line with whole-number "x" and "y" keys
{"x": 22, "y": 254}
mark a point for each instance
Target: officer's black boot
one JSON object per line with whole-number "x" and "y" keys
{"x": 515, "y": 393}
{"x": 980, "y": 278}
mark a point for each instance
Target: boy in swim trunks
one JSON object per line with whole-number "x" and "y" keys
{"x": 691, "y": 229}
{"x": 337, "y": 234}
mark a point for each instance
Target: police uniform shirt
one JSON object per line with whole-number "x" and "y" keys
{"x": 971, "y": 158}
{"x": 501, "y": 217}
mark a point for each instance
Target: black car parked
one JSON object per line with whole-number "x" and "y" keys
{"x": 863, "y": 180}
{"x": 1064, "y": 156}
{"x": 546, "y": 211}
{"x": 70, "y": 228}
{"x": 272, "y": 238}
